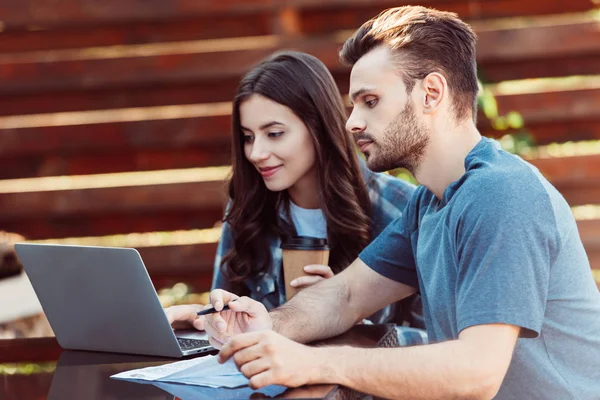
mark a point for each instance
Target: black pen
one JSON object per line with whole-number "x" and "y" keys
{"x": 212, "y": 310}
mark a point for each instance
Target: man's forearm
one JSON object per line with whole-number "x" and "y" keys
{"x": 318, "y": 312}
{"x": 444, "y": 370}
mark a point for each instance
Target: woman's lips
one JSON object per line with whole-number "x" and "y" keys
{"x": 267, "y": 172}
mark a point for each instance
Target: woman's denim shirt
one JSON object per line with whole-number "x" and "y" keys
{"x": 389, "y": 195}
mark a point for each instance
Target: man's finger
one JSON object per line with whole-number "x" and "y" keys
{"x": 246, "y": 355}
{"x": 247, "y": 305}
{"x": 262, "y": 379}
{"x": 217, "y": 321}
{"x": 215, "y": 343}
{"x": 238, "y": 343}
{"x": 220, "y": 297}
{"x": 255, "y": 367}
{"x": 306, "y": 281}
{"x": 211, "y": 331}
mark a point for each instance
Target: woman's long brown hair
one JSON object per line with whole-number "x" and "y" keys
{"x": 303, "y": 84}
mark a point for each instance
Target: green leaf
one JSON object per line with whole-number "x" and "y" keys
{"x": 515, "y": 120}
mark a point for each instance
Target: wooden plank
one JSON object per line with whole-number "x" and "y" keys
{"x": 108, "y": 223}
{"x": 180, "y": 133}
{"x": 34, "y": 77}
{"x": 193, "y": 259}
{"x": 103, "y": 211}
{"x": 559, "y": 105}
{"x": 213, "y": 90}
{"x": 191, "y": 264}
{"x": 563, "y": 48}
{"x": 541, "y": 68}
{"x": 180, "y": 197}
{"x": 115, "y": 147}
{"x": 561, "y": 38}
{"x": 122, "y": 161}
{"x": 201, "y": 27}
{"x": 318, "y": 20}
{"x": 44, "y": 13}
{"x": 79, "y": 12}
{"x": 552, "y": 116}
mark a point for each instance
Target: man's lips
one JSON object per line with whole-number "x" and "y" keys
{"x": 363, "y": 144}
{"x": 269, "y": 171}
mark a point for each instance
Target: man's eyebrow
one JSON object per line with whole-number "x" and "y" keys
{"x": 358, "y": 93}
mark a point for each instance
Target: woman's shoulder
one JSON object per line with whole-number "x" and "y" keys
{"x": 382, "y": 185}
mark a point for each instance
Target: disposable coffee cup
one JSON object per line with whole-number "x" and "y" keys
{"x": 298, "y": 252}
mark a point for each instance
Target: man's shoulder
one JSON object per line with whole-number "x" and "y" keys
{"x": 511, "y": 180}
{"x": 513, "y": 193}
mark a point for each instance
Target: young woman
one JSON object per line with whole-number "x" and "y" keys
{"x": 296, "y": 173}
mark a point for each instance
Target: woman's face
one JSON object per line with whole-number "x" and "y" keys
{"x": 276, "y": 142}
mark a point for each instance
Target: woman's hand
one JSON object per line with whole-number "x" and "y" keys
{"x": 184, "y": 316}
{"x": 314, "y": 274}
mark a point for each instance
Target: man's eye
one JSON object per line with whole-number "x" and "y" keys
{"x": 371, "y": 103}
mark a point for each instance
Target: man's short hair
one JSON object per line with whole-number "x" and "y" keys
{"x": 428, "y": 41}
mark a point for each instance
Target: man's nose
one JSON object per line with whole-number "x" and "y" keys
{"x": 355, "y": 123}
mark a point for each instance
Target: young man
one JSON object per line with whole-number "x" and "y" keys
{"x": 493, "y": 248}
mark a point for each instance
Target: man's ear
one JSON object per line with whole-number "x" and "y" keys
{"x": 435, "y": 89}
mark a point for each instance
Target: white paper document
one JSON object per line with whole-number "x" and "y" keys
{"x": 203, "y": 371}
{"x": 198, "y": 378}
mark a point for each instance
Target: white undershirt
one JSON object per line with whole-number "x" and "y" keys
{"x": 309, "y": 222}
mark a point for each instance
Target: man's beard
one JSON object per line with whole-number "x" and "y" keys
{"x": 402, "y": 145}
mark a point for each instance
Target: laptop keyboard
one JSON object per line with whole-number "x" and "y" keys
{"x": 191, "y": 344}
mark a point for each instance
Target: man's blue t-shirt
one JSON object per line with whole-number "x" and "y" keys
{"x": 502, "y": 246}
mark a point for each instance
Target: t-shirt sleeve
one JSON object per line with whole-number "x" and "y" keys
{"x": 506, "y": 243}
{"x": 219, "y": 280}
{"x": 390, "y": 254}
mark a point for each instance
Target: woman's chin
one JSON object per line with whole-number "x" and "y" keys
{"x": 275, "y": 186}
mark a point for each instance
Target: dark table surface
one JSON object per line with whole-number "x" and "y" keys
{"x": 40, "y": 369}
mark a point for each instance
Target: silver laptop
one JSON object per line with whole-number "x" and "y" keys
{"x": 102, "y": 299}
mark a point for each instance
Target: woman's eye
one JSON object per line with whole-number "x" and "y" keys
{"x": 275, "y": 134}
{"x": 248, "y": 138}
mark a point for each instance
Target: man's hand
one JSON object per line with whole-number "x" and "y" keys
{"x": 184, "y": 316}
{"x": 268, "y": 358}
{"x": 314, "y": 274}
{"x": 244, "y": 315}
